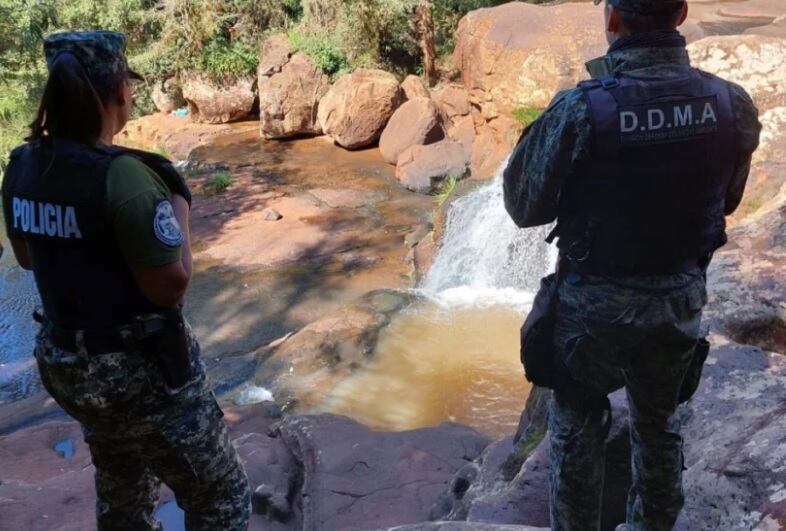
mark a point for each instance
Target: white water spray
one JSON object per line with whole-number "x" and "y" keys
{"x": 485, "y": 258}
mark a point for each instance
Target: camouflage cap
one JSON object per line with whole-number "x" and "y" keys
{"x": 646, "y": 7}
{"x": 101, "y": 53}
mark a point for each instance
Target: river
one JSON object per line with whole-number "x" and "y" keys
{"x": 18, "y": 299}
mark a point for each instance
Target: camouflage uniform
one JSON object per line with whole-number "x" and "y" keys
{"x": 140, "y": 433}
{"x": 615, "y": 332}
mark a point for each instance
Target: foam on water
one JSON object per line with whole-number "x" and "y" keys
{"x": 485, "y": 259}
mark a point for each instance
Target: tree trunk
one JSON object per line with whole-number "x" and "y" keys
{"x": 424, "y": 23}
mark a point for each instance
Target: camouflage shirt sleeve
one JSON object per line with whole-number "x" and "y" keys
{"x": 547, "y": 153}
{"x": 748, "y": 129}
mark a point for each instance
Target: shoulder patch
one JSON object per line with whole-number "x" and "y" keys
{"x": 165, "y": 225}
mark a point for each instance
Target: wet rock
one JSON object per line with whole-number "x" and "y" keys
{"x": 271, "y": 214}
{"x": 167, "y": 95}
{"x": 311, "y": 362}
{"x": 346, "y": 198}
{"x": 414, "y": 87}
{"x": 217, "y": 103}
{"x": 416, "y": 122}
{"x": 415, "y": 237}
{"x": 274, "y": 55}
{"x": 488, "y": 152}
{"x": 487, "y": 490}
{"x": 517, "y": 55}
{"x": 354, "y": 478}
{"x": 289, "y": 97}
{"x": 356, "y": 109}
{"x": 753, "y": 61}
{"x": 423, "y": 168}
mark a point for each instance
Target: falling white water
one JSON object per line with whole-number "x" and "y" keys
{"x": 485, "y": 257}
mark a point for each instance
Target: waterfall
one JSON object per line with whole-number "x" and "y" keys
{"x": 484, "y": 255}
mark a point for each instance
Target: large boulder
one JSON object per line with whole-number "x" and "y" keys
{"x": 275, "y": 53}
{"x": 754, "y": 61}
{"x": 356, "y": 109}
{"x": 423, "y": 168}
{"x": 416, "y": 122}
{"x": 289, "y": 99}
{"x": 518, "y": 55}
{"x": 167, "y": 95}
{"x": 453, "y": 101}
{"x": 414, "y": 87}
{"x": 217, "y": 103}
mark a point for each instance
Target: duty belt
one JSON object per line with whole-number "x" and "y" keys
{"x": 97, "y": 342}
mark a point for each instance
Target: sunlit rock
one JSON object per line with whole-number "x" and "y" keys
{"x": 356, "y": 109}
{"x": 216, "y": 103}
{"x": 416, "y": 122}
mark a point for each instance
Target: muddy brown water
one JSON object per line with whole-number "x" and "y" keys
{"x": 437, "y": 363}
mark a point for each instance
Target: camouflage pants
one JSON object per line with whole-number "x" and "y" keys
{"x": 610, "y": 336}
{"x": 140, "y": 434}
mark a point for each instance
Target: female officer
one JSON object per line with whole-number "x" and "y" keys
{"x": 105, "y": 231}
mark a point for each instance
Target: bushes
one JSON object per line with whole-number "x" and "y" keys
{"x": 324, "y": 49}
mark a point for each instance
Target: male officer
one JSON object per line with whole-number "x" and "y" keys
{"x": 639, "y": 166}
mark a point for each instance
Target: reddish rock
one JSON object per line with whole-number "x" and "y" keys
{"x": 519, "y": 55}
{"x": 453, "y": 101}
{"x": 289, "y": 99}
{"x": 416, "y": 122}
{"x": 167, "y": 95}
{"x": 274, "y": 55}
{"x": 356, "y": 109}
{"x": 217, "y": 103}
{"x": 776, "y": 29}
{"x": 414, "y": 87}
{"x": 422, "y": 168}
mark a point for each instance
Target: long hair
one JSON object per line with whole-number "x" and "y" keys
{"x": 72, "y": 105}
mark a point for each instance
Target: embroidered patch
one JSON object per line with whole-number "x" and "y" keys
{"x": 165, "y": 225}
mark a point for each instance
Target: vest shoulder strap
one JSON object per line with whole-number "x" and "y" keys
{"x": 159, "y": 164}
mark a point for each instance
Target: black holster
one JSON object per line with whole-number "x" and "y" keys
{"x": 690, "y": 384}
{"x": 538, "y": 355}
{"x": 172, "y": 351}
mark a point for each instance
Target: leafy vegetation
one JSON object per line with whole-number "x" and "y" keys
{"x": 219, "y": 182}
{"x": 447, "y": 189}
{"x": 527, "y": 115}
{"x": 218, "y": 38}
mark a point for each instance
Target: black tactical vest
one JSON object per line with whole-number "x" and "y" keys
{"x": 54, "y": 197}
{"x": 652, "y": 197}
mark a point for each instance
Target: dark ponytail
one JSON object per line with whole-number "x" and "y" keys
{"x": 71, "y": 105}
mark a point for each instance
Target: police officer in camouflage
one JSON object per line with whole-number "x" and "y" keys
{"x": 105, "y": 231}
{"x": 639, "y": 166}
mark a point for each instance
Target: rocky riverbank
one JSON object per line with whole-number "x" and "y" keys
{"x": 307, "y": 253}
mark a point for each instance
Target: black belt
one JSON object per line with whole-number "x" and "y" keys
{"x": 591, "y": 267}
{"x": 102, "y": 341}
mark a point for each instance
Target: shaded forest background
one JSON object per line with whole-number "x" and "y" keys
{"x": 218, "y": 37}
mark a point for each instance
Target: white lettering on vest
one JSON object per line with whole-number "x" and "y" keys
{"x": 654, "y": 114}
{"x": 25, "y": 216}
{"x": 45, "y": 218}
{"x": 17, "y": 209}
{"x": 683, "y": 116}
{"x": 708, "y": 114}
{"x": 71, "y": 227}
{"x": 628, "y": 121}
{"x": 49, "y": 220}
